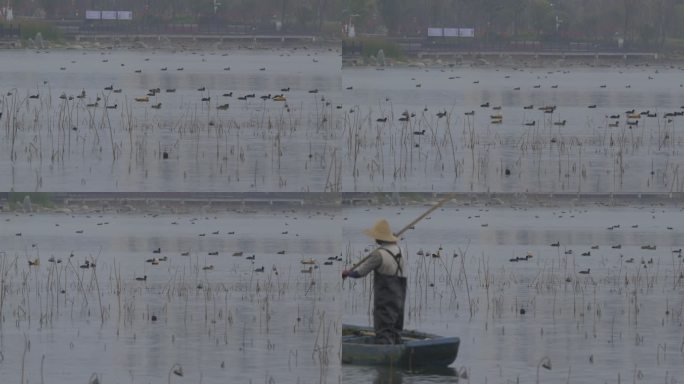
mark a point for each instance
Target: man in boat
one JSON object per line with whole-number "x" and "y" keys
{"x": 389, "y": 283}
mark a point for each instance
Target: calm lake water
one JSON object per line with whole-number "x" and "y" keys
{"x": 578, "y": 147}
{"x": 219, "y": 315}
{"x": 331, "y": 140}
{"x": 622, "y": 322}
{"x": 53, "y": 144}
{"x": 230, "y": 321}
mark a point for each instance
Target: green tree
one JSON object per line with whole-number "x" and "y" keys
{"x": 541, "y": 17}
{"x": 390, "y": 12}
{"x": 363, "y": 8}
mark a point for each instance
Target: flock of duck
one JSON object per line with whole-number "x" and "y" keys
{"x": 155, "y": 92}
{"x": 644, "y": 260}
{"x": 95, "y": 101}
{"x": 632, "y": 117}
{"x": 312, "y": 264}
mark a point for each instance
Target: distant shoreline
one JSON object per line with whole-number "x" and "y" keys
{"x": 504, "y": 59}
{"x": 177, "y": 202}
{"x": 175, "y": 42}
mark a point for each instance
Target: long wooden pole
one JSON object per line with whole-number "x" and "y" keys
{"x": 411, "y": 224}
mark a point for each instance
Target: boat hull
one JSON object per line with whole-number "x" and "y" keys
{"x": 419, "y": 350}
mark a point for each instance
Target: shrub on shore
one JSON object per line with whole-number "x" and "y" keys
{"x": 371, "y": 46}
{"x": 29, "y": 29}
{"x": 42, "y": 199}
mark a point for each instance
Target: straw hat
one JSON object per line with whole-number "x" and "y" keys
{"x": 381, "y": 231}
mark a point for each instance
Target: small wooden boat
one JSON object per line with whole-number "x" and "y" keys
{"x": 419, "y": 350}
